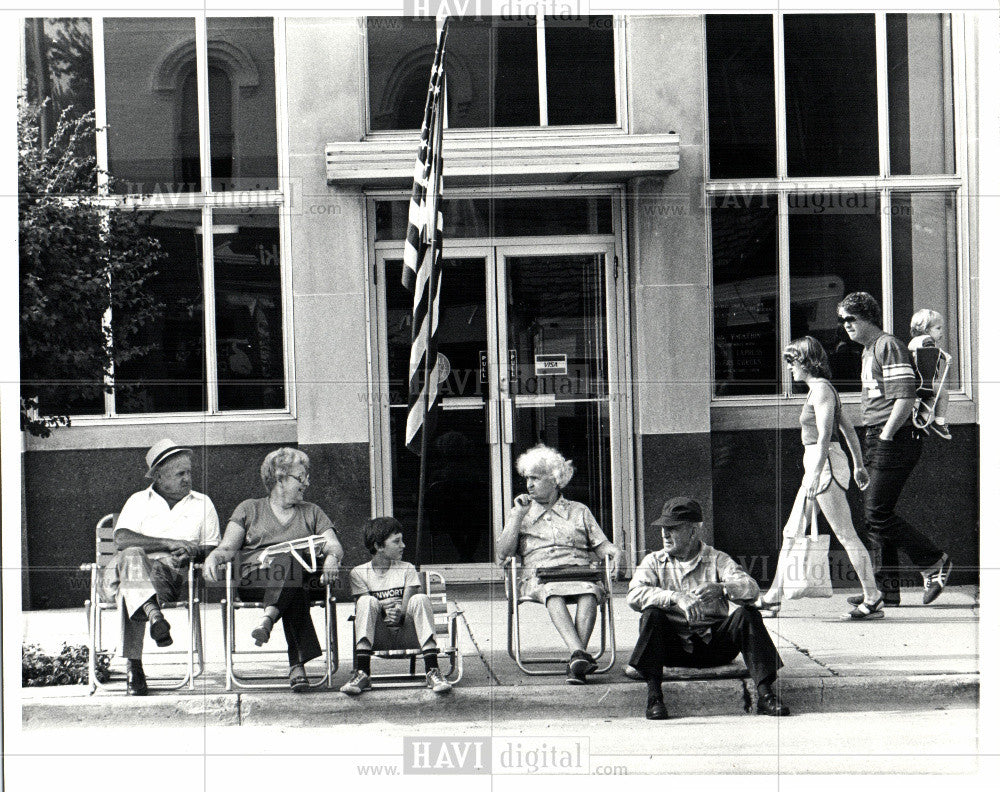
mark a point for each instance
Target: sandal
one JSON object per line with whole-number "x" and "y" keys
{"x": 297, "y": 679}
{"x": 867, "y": 610}
{"x": 768, "y": 610}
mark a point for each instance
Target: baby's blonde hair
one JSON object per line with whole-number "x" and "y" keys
{"x": 922, "y": 320}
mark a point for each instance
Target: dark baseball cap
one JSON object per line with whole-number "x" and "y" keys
{"x": 678, "y": 511}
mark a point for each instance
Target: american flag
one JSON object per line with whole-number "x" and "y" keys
{"x": 422, "y": 253}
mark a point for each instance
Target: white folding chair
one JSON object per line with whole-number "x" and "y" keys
{"x": 557, "y": 665}
{"x": 99, "y": 604}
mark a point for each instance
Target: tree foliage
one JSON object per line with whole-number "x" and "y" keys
{"x": 78, "y": 260}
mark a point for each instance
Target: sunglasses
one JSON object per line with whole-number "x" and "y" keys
{"x": 845, "y": 319}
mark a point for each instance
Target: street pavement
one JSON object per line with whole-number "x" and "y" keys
{"x": 918, "y": 658}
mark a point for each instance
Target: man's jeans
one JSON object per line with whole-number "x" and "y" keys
{"x": 890, "y": 464}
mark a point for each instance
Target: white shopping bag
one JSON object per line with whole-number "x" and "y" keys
{"x": 807, "y": 567}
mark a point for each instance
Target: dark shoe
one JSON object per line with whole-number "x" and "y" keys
{"x": 888, "y": 600}
{"x": 934, "y": 582}
{"x": 581, "y": 663}
{"x": 656, "y": 710}
{"x": 770, "y": 704}
{"x": 297, "y": 679}
{"x": 135, "y": 679}
{"x": 159, "y": 631}
{"x": 573, "y": 678}
{"x": 262, "y": 634}
{"x": 867, "y": 610}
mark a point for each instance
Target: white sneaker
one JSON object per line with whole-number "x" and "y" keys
{"x": 357, "y": 684}
{"x": 436, "y": 682}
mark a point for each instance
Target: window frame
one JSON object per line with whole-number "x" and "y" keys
{"x": 782, "y": 186}
{"x": 207, "y": 202}
{"x": 621, "y": 123}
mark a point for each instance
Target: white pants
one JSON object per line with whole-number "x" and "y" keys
{"x": 416, "y": 631}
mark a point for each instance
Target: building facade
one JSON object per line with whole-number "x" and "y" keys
{"x": 640, "y": 212}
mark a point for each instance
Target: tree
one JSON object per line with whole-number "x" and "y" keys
{"x": 78, "y": 260}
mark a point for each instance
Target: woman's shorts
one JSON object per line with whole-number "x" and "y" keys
{"x": 837, "y": 469}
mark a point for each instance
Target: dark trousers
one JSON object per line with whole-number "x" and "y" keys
{"x": 890, "y": 464}
{"x": 285, "y": 585}
{"x": 741, "y": 632}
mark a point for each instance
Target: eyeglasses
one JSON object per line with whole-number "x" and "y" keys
{"x": 845, "y": 319}
{"x": 303, "y": 481}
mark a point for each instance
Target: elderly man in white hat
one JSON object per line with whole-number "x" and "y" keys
{"x": 159, "y": 532}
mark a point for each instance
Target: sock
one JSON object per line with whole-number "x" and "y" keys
{"x": 152, "y": 609}
{"x": 653, "y": 690}
{"x": 764, "y": 688}
{"x": 431, "y": 659}
{"x": 364, "y": 662}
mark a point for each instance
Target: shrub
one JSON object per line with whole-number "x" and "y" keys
{"x": 69, "y": 667}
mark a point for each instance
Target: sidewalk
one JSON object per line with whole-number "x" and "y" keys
{"x": 918, "y": 657}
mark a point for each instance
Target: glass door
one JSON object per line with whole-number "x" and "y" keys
{"x": 529, "y": 339}
{"x": 460, "y": 485}
{"x": 556, "y": 386}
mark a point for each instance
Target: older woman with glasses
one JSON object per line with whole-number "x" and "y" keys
{"x": 548, "y": 530}
{"x": 827, "y": 476}
{"x": 282, "y": 584}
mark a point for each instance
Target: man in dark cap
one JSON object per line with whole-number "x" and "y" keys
{"x": 159, "y": 532}
{"x": 683, "y": 592}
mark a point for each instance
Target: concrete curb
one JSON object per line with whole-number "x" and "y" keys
{"x": 483, "y": 704}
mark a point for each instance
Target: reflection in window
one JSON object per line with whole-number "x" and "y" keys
{"x": 146, "y": 64}
{"x": 246, "y": 256}
{"x": 493, "y": 71}
{"x": 170, "y": 376}
{"x": 745, "y": 293}
{"x": 834, "y": 248}
{"x": 740, "y": 51}
{"x": 241, "y": 98}
{"x": 59, "y": 67}
{"x": 579, "y": 70}
{"x": 466, "y": 218}
{"x": 921, "y": 115}
{"x": 925, "y": 265}
{"x": 830, "y": 94}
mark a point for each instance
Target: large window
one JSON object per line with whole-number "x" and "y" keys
{"x": 502, "y": 71}
{"x": 191, "y": 143}
{"x": 831, "y": 170}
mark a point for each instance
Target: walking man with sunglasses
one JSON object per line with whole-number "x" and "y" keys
{"x": 892, "y": 448}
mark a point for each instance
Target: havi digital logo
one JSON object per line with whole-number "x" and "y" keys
{"x": 447, "y": 755}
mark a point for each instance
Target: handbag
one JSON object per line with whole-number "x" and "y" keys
{"x": 584, "y": 573}
{"x": 807, "y": 565}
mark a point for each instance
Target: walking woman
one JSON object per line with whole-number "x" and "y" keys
{"x": 827, "y": 476}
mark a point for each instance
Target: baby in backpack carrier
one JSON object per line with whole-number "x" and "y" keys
{"x": 930, "y": 412}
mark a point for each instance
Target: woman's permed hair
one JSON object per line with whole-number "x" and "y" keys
{"x": 922, "y": 321}
{"x": 278, "y": 463}
{"x": 547, "y": 460}
{"x": 810, "y": 353}
{"x": 378, "y": 530}
{"x": 862, "y": 305}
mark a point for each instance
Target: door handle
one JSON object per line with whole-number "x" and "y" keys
{"x": 508, "y": 420}
{"x": 492, "y": 422}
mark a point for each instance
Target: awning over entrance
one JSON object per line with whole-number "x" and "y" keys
{"x": 494, "y": 160}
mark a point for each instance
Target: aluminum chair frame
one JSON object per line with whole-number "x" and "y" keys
{"x": 524, "y": 661}
{"x": 96, "y": 606}
{"x": 446, "y": 618}
{"x": 232, "y": 603}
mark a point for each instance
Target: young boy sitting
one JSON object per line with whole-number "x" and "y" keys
{"x": 391, "y": 610}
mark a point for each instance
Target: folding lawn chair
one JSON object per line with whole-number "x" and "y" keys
{"x": 99, "y": 604}
{"x": 446, "y": 616}
{"x": 306, "y": 552}
{"x": 511, "y": 580}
